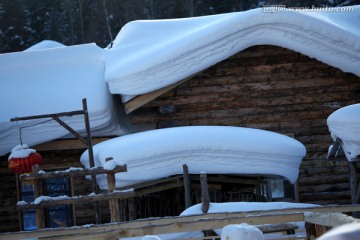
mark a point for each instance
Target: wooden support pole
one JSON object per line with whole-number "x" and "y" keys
{"x": 91, "y": 159}
{"x": 187, "y": 186}
{"x": 132, "y": 209}
{"x": 113, "y": 203}
{"x": 353, "y": 181}
{"x": 205, "y": 199}
{"x": 40, "y": 217}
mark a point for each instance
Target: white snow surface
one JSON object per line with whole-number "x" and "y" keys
{"x": 21, "y": 151}
{"x": 151, "y": 54}
{"x": 45, "y": 44}
{"x": 214, "y": 149}
{"x": 350, "y": 231}
{"x": 345, "y": 124}
{"x": 241, "y": 231}
{"x": 54, "y": 80}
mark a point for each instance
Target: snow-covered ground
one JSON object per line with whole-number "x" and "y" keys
{"x": 344, "y": 123}
{"x": 151, "y": 54}
{"x": 214, "y": 149}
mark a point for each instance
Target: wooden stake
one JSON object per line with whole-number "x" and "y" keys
{"x": 113, "y": 203}
{"x": 205, "y": 199}
{"x": 40, "y": 217}
{"x": 187, "y": 186}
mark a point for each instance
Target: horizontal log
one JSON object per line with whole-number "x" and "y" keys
{"x": 307, "y": 197}
{"x": 76, "y": 172}
{"x": 325, "y": 188}
{"x": 280, "y": 227}
{"x": 283, "y": 86}
{"x": 66, "y": 144}
{"x": 54, "y": 201}
{"x": 316, "y": 180}
{"x": 330, "y": 219}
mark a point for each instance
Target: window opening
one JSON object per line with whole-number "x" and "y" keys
{"x": 57, "y": 216}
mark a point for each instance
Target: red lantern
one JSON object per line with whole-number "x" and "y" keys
{"x": 22, "y": 159}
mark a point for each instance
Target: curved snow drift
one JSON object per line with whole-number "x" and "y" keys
{"x": 149, "y": 55}
{"x": 345, "y": 124}
{"x": 217, "y": 150}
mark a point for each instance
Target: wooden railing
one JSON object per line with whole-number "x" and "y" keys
{"x": 326, "y": 216}
{"x": 42, "y": 202}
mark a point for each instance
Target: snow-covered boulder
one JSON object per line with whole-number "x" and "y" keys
{"x": 241, "y": 232}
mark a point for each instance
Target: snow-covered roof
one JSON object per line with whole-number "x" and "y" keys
{"x": 149, "y": 55}
{"x": 344, "y": 123}
{"x": 53, "y": 80}
{"x": 161, "y": 153}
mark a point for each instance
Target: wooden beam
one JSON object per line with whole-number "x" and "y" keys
{"x": 329, "y": 219}
{"x": 71, "y": 173}
{"x": 52, "y": 201}
{"x": 141, "y": 100}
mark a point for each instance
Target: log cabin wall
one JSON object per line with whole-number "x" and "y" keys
{"x": 269, "y": 88}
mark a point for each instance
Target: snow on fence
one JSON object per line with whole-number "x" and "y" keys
{"x": 42, "y": 202}
{"x": 322, "y": 216}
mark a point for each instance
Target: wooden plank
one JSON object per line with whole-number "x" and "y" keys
{"x": 141, "y": 100}
{"x": 52, "y": 201}
{"x": 170, "y": 220}
{"x": 329, "y": 219}
{"x": 72, "y": 173}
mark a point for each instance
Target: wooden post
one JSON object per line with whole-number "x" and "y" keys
{"x": 91, "y": 158}
{"x": 205, "y": 199}
{"x": 132, "y": 209}
{"x": 353, "y": 181}
{"x": 40, "y": 217}
{"x": 113, "y": 203}
{"x": 187, "y": 186}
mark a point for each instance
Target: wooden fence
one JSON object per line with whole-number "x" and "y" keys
{"x": 323, "y": 216}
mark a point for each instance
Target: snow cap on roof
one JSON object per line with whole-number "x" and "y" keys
{"x": 344, "y": 123}
{"x": 149, "y": 55}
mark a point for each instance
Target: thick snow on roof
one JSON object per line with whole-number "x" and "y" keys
{"x": 148, "y": 55}
{"x": 344, "y": 123}
{"x": 216, "y": 150}
{"x": 52, "y": 81}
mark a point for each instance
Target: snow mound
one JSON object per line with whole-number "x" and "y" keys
{"x": 56, "y": 82}
{"x": 45, "y": 44}
{"x": 241, "y": 231}
{"x": 344, "y": 123}
{"x": 350, "y": 231}
{"x": 214, "y": 149}
{"x": 21, "y": 151}
{"x": 152, "y": 54}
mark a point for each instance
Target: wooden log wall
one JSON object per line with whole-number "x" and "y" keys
{"x": 269, "y": 88}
